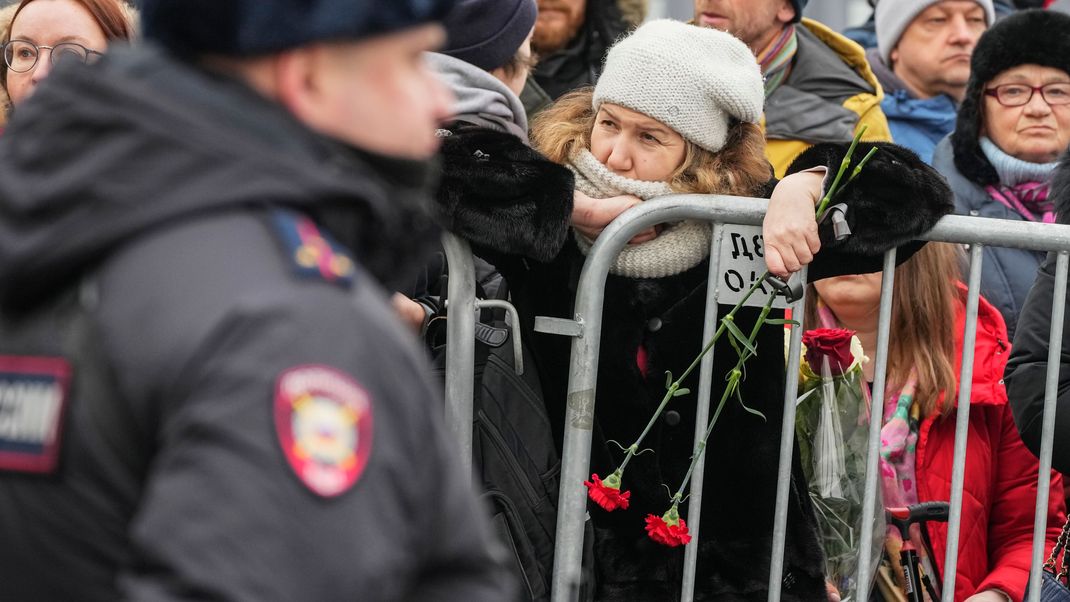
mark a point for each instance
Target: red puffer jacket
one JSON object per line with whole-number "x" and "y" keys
{"x": 1001, "y": 474}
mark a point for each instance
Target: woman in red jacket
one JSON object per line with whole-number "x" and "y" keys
{"x": 918, "y": 434}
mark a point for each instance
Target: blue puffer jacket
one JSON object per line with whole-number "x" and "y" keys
{"x": 1006, "y": 274}
{"x": 919, "y": 124}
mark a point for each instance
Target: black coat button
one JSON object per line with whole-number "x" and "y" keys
{"x": 654, "y": 324}
{"x": 672, "y": 418}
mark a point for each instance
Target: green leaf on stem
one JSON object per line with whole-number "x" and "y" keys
{"x": 739, "y": 397}
{"x": 780, "y": 322}
{"x": 668, "y": 379}
{"x": 737, "y": 334}
{"x": 681, "y": 392}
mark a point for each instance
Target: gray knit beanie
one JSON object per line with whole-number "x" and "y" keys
{"x": 695, "y": 80}
{"x": 894, "y": 16}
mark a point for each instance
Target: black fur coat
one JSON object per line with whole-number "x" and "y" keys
{"x": 897, "y": 198}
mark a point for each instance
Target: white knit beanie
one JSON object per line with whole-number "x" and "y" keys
{"x": 692, "y": 79}
{"x": 894, "y": 16}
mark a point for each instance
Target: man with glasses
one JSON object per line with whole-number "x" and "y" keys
{"x": 204, "y": 393}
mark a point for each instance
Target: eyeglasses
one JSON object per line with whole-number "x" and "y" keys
{"x": 1016, "y": 95}
{"x": 21, "y": 56}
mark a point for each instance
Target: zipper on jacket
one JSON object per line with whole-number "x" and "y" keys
{"x": 503, "y": 450}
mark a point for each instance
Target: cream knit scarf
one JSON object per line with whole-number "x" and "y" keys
{"x": 680, "y": 246}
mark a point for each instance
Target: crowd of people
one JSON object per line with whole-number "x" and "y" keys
{"x": 220, "y": 287}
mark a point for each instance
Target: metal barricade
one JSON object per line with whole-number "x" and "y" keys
{"x": 585, "y": 329}
{"x": 461, "y": 342}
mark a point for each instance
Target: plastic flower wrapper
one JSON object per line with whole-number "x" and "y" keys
{"x": 832, "y": 426}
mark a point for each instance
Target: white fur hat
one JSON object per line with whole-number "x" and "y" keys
{"x": 693, "y": 79}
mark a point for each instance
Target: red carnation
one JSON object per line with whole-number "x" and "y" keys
{"x": 607, "y": 494}
{"x": 668, "y": 529}
{"x": 833, "y": 343}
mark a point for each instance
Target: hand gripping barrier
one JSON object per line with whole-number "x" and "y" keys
{"x": 585, "y": 329}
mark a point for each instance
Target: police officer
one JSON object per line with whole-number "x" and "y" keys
{"x": 203, "y": 391}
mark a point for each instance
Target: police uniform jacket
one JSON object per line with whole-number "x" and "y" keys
{"x": 205, "y": 394}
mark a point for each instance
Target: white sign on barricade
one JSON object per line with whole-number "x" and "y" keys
{"x": 742, "y": 263}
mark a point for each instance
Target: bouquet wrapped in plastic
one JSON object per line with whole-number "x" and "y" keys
{"x": 832, "y": 427}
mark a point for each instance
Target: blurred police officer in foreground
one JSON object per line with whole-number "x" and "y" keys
{"x": 203, "y": 390}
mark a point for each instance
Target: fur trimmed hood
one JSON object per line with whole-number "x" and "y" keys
{"x": 633, "y": 11}
{"x": 502, "y": 195}
{"x": 1030, "y": 36}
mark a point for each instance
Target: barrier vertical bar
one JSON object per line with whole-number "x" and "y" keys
{"x": 787, "y": 446}
{"x": 962, "y": 421}
{"x": 702, "y": 416}
{"x": 876, "y": 418}
{"x": 461, "y": 345}
{"x": 1047, "y": 437}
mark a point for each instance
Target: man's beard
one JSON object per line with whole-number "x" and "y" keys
{"x": 549, "y": 39}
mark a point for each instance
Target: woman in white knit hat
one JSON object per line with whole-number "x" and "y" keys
{"x": 676, "y": 111}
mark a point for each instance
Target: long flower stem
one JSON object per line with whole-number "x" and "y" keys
{"x": 633, "y": 449}
{"x": 734, "y": 377}
{"x": 844, "y": 164}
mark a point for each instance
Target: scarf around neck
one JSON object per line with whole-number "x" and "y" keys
{"x": 1023, "y": 185}
{"x": 775, "y": 60}
{"x": 680, "y": 246}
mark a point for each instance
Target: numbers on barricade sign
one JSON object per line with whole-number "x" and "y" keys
{"x": 742, "y": 263}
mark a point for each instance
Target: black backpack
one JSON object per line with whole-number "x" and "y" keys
{"x": 514, "y": 457}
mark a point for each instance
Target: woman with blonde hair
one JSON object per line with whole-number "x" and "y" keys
{"x": 676, "y": 111}
{"x": 918, "y": 434}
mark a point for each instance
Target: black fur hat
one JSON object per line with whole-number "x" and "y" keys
{"x": 1039, "y": 37}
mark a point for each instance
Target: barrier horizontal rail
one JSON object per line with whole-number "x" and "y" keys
{"x": 581, "y": 391}
{"x": 584, "y": 327}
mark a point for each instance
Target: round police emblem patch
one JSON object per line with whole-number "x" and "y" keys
{"x": 324, "y": 422}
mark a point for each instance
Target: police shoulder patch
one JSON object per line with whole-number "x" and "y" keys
{"x": 324, "y": 423}
{"x": 33, "y": 401}
{"x": 312, "y": 252}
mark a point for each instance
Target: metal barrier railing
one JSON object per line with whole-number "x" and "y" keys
{"x": 461, "y": 343}
{"x": 585, "y": 329}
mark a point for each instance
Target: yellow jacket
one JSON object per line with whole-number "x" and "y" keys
{"x": 823, "y": 99}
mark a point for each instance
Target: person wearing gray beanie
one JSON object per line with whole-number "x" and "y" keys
{"x": 893, "y": 17}
{"x": 678, "y": 110}
{"x": 664, "y": 70}
{"x": 923, "y": 64}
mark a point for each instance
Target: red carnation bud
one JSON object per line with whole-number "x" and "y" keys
{"x": 668, "y": 529}
{"x": 831, "y": 343}
{"x": 607, "y": 494}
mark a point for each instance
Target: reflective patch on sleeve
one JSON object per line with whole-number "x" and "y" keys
{"x": 312, "y": 253}
{"x": 323, "y": 419}
{"x": 33, "y": 400}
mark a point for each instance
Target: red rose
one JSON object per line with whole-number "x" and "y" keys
{"x": 605, "y": 494}
{"x": 833, "y": 343}
{"x": 667, "y": 531}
